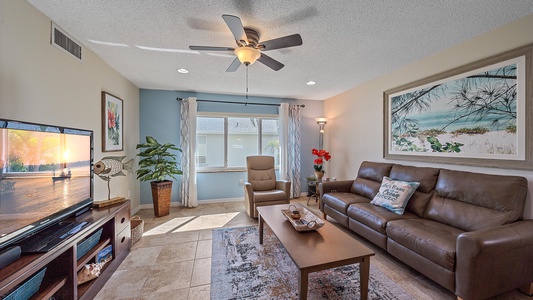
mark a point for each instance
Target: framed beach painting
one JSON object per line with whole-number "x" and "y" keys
{"x": 112, "y": 123}
{"x": 480, "y": 114}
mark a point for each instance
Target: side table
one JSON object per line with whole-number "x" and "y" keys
{"x": 312, "y": 187}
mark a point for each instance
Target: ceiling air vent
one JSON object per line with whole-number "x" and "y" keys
{"x": 63, "y": 41}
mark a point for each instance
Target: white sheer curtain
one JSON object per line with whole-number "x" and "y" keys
{"x": 283, "y": 141}
{"x": 294, "y": 149}
{"x": 188, "y": 193}
{"x": 289, "y": 141}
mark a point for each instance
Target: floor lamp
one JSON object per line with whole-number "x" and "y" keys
{"x": 321, "y": 123}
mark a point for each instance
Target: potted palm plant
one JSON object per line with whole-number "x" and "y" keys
{"x": 157, "y": 165}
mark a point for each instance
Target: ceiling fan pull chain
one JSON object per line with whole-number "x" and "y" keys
{"x": 246, "y": 82}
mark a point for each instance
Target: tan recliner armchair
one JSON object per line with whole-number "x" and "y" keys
{"x": 262, "y": 188}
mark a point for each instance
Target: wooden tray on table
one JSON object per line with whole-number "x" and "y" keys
{"x": 307, "y": 221}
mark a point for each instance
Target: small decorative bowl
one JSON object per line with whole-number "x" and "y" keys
{"x": 295, "y": 213}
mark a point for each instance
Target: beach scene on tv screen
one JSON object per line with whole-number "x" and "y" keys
{"x": 41, "y": 173}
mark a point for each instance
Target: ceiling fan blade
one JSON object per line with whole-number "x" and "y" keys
{"x": 282, "y": 42}
{"x": 234, "y": 65}
{"x": 270, "y": 62}
{"x": 235, "y": 25}
{"x": 210, "y": 48}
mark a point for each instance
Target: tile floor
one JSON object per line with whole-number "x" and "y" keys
{"x": 173, "y": 258}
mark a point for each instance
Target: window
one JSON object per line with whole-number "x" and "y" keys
{"x": 201, "y": 158}
{"x": 223, "y": 142}
{"x": 243, "y": 140}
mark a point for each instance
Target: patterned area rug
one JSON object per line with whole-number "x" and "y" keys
{"x": 241, "y": 268}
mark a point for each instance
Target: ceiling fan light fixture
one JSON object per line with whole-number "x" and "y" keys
{"x": 249, "y": 49}
{"x": 247, "y": 55}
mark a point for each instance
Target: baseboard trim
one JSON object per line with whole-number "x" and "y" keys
{"x": 151, "y": 206}
{"x": 221, "y": 200}
{"x": 178, "y": 204}
{"x": 135, "y": 210}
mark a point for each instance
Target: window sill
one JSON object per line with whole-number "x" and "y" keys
{"x": 243, "y": 169}
{"x": 221, "y": 170}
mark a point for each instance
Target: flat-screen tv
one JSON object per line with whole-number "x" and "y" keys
{"x": 45, "y": 177}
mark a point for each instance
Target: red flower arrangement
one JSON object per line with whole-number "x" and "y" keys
{"x": 322, "y": 155}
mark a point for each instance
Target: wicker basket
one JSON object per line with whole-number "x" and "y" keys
{"x": 137, "y": 229}
{"x": 84, "y": 246}
{"x": 28, "y": 288}
{"x": 161, "y": 193}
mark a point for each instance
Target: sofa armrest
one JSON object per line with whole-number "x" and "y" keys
{"x": 342, "y": 186}
{"x": 249, "y": 199}
{"x": 494, "y": 260}
{"x": 248, "y": 191}
{"x": 324, "y": 187}
{"x": 285, "y": 186}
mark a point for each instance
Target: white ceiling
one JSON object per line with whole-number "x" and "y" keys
{"x": 345, "y": 43}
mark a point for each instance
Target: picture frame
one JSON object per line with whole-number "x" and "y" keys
{"x": 479, "y": 114}
{"x": 112, "y": 123}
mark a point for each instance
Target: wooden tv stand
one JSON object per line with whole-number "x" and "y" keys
{"x": 60, "y": 279}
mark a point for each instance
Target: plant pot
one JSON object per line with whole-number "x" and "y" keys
{"x": 319, "y": 174}
{"x": 161, "y": 193}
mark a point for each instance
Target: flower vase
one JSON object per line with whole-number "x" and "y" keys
{"x": 319, "y": 175}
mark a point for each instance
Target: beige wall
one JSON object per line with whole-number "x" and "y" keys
{"x": 40, "y": 83}
{"x": 355, "y": 130}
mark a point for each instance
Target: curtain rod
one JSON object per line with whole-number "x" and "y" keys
{"x": 235, "y": 102}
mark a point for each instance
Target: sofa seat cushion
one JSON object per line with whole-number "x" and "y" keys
{"x": 272, "y": 195}
{"x": 375, "y": 217}
{"x": 432, "y": 240}
{"x": 340, "y": 201}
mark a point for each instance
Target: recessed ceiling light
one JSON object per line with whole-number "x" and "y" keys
{"x": 183, "y": 71}
{"x": 311, "y": 82}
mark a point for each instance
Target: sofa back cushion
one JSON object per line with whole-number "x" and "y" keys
{"x": 427, "y": 178}
{"x": 369, "y": 178}
{"x": 473, "y": 201}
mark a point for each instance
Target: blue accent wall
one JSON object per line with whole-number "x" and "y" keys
{"x": 159, "y": 117}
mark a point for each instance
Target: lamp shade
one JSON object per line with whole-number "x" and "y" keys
{"x": 321, "y": 120}
{"x": 247, "y": 55}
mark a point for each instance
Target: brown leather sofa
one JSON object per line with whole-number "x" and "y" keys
{"x": 463, "y": 230}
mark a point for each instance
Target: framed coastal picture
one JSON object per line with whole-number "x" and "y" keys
{"x": 480, "y": 114}
{"x": 112, "y": 123}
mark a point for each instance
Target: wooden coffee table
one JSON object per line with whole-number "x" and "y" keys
{"x": 311, "y": 251}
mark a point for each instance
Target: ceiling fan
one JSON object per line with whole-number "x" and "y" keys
{"x": 249, "y": 49}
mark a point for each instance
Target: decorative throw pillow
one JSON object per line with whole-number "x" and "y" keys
{"x": 394, "y": 194}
